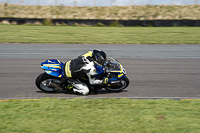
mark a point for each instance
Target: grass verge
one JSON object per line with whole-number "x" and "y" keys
{"x": 100, "y": 116}
{"x": 99, "y": 35}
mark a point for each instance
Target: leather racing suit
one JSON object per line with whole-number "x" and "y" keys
{"x": 80, "y": 67}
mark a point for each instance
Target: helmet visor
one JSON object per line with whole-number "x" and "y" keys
{"x": 100, "y": 61}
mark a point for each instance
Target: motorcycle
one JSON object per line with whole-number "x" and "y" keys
{"x": 54, "y": 80}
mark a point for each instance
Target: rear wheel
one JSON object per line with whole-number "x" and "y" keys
{"x": 119, "y": 86}
{"x": 42, "y": 82}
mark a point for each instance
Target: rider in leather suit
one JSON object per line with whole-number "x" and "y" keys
{"x": 82, "y": 66}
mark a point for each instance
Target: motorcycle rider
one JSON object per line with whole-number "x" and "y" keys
{"x": 84, "y": 65}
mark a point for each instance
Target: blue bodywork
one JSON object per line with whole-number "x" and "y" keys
{"x": 55, "y": 68}
{"x": 99, "y": 71}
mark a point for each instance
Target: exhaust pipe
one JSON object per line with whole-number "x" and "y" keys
{"x": 53, "y": 85}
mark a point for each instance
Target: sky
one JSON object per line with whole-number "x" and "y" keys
{"x": 101, "y": 2}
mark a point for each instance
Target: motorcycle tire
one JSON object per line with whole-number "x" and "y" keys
{"x": 119, "y": 87}
{"x": 41, "y": 82}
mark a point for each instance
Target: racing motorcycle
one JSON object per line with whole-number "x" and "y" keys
{"x": 54, "y": 80}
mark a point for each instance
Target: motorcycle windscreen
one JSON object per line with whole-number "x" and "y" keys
{"x": 116, "y": 67}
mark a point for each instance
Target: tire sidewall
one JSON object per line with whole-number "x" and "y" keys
{"x": 41, "y": 78}
{"x": 127, "y": 83}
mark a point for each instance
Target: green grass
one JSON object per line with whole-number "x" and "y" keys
{"x": 100, "y": 116}
{"x": 99, "y": 35}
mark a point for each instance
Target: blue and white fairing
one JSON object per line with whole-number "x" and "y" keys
{"x": 117, "y": 68}
{"x": 114, "y": 67}
{"x": 53, "y": 67}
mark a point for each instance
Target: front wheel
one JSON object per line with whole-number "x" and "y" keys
{"x": 42, "y": 82}
{"x": 119, "y": 86}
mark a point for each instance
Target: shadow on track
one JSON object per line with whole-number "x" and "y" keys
{"x": 98, "y": 92}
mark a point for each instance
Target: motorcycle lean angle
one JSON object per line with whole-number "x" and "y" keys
{"x": 53, "y": 79}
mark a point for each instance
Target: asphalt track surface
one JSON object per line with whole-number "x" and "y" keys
{"x": 154, "y": 71}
